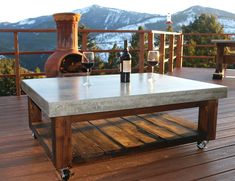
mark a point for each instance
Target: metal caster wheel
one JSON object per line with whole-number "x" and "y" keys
{"x": 34, "y": 136}
{"x": 202, "y": 144}
{"x": 65, "y": 174}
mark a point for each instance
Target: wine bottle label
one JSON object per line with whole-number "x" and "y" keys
{"x": 126, "y": 66}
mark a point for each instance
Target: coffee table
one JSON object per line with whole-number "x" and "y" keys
{"x": 66, "y": 100}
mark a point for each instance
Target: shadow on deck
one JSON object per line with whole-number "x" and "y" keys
{"x": 22, "y": 158}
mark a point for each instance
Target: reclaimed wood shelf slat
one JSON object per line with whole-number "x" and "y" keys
{"x": 116, "y": 136}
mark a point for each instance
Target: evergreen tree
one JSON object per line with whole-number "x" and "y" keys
{"x": 135, "y": 45}
{"x": 7, "y": 85}
{"x": 113, "y": 60}
{"x": 37, "y": 70}
{"x": 169, "y": 28}
{"x": 205, "y": 23}
{"x": 91, "y": 45}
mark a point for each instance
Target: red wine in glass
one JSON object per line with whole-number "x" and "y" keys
{"x": 152, "y": 63}
{"x": 88, "y": 62}
{"x": 88, "y": 65}
{"x": 153, "y": 59}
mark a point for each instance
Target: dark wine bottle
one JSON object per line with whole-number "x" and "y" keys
{"x": 125, "y": 64}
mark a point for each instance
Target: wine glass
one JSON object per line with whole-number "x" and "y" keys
{"x": 88, "y": 60}
{"x": 153, "y": 59}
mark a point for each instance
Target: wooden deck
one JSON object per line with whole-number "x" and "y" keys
{"x": 22, "y": 158}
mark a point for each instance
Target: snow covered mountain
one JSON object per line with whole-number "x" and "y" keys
{"x": 97, "y": 17}
{"x": 227, "y": 19}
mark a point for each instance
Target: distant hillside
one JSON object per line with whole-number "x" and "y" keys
{"x": 97, "y": 17}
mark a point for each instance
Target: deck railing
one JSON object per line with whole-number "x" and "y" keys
{"x": 204, "y": 46}
{"x": 170, "y": 45}
{"x": 167, "y": 40}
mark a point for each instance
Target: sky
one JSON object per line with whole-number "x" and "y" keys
{"x": 16, "y": 10}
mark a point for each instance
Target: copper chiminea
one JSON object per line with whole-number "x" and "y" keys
{"x": 66, "y": 58}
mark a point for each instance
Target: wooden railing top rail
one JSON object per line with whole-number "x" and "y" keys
{"x": 164, "y": 32}
{"x": 27, "y": 53}
{"x": 80, "y": 30}
{"x": 28, "y": 30}
{"x": 112, "y": 31}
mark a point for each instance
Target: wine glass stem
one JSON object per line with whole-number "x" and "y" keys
{"x": 87, "y": 76}
{"x": 152, "y": 70}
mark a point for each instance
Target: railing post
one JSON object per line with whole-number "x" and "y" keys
{"x": 84, "y": 41}
{"x": 171, "y": 53}
{"x": 150, "y": 46}
{"x": 179, "y": 51}
{"x": 141, "y": 52}
{"x": 150, "y": 40}
{"x": 17, "y": 64}
{"x": 162, "y": 53}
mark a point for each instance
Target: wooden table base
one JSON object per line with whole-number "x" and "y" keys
{"x": 116, "y": 136}
{"x": 86, "y": 138}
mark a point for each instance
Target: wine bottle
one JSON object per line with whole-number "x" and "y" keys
{"x": 125, "y": 64}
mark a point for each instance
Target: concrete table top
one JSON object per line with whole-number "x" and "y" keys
{"x": 68, "y": 96}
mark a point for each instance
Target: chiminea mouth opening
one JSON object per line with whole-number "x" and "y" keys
{"x": 71, "y": 63}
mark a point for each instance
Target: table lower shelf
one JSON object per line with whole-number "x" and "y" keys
{"x": 111, "y": 137}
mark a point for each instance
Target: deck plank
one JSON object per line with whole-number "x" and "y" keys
{"x": 169, "y": 124}
{"x": 117, "y": 134}
{"x": 132, "y": 130}
{"x": 85, "y": 146}
{"x": 151, "y": 128}
{"x": 92, "y": 132}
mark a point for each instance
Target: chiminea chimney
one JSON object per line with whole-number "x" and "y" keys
{"x": 66, "y": 58}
